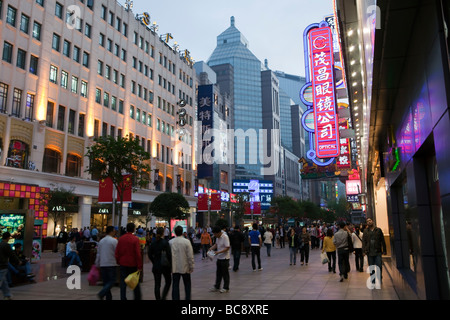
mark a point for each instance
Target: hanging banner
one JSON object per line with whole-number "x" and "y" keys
{"x": 216, "y": 202}
{"x": 127, "y": 186}
{"x": 324, "y": 96}
{"x": 344, "y": 161}
{"x": 105, "y": 190}
{"x": 202, "y": 203}
{"x": 257, "y": 208}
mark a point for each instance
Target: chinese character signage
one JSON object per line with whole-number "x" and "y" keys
{"x": 205, "y": 116}
{"x": 344, "y": 159}
{"x": 353, "y": 187}
{"x": 324, "y": 98}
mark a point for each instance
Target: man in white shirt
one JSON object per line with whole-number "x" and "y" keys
{"x": 222, "y": 248}
{"x": 106, "y": 261}
{"x": 182, "y": 263}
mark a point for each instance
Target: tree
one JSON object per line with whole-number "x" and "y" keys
{"x": 170, "y": 206}
{"x": 60, "y": 201}
{"x": 285, "y": 206}
{"x": 113, "y": 158}
{"x": 309, "y": 210}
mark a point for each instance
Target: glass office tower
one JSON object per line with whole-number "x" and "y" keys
{"x": 232, "y": 48}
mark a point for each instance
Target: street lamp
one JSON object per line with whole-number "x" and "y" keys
{"x": 251, "y": 201}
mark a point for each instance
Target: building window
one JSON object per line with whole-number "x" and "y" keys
{"x": 3, "y": 97}
{"x": 53, "y": 74}
{"x": 87, "y": 30}
{"x": 25, "y": 24}
{"x": 59, "y": 10}
{"x": 7, "y": 52}
{"x": 37, "y": 30}
{"x": 84, "y": 89}
{"x": 17, "y": 102}
{"x": 74, "y": 84}
{"x": 81, "y": 119}
{"x": 76, "y": 54}
{"x": 51, "y": 162}
{"x": 86, "y": 59}
{"x": 67, "y": 48}
{"x": 18, "y": 154}
{"x": 73, "y": 166}
{"x": 50, "y": 111}
{"x": 64, "y": 79}
{"x": 29, "y": 107}
{"x": 34, "y": 61}
{"x": 132, "y": 112}
{"x": 56, "y": 42}
{"x": 21, "y": 56}
{"x": 71, "y": 123}
{"x": 61, "y": 118}
{"x": 121, "y": 106}
{"x": 113, "y": 103}
{"x": 98, "y": 95}
{"x": 11, "y": 16}
{"x": 106, "y": 99}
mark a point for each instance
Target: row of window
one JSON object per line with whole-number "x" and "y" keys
{"x": 68, "y": 52}
{"x": 109, "y": 101}
{"x": 21, "y": 58}
{"x": 65, "y": 81}
{"x": 17, "y": 109}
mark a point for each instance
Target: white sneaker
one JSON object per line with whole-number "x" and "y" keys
{"x": 260, "y": 269}
{"x": 224, "y": 290}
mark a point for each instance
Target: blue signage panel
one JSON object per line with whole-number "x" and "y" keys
{"x": 259, "y": 190}
{"x": 205, "y": 116}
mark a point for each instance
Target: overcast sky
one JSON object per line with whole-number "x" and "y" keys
{"x": 274, "y": 28}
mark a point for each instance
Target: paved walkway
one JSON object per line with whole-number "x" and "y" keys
{"x": 278, "y": 281}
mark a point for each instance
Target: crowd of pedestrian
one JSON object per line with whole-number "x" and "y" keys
{"x": 172, "y": 255}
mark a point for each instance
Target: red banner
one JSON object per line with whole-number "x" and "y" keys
{"x": 257, "y": 208}
{"x": 322, "y": 71}
{"x": 127, "y": 186}
{"x": 105, "y": 190}
{"x": 247, "y": 208}
{"x": 216, "y": 202}
{"x": 202, "y": 203}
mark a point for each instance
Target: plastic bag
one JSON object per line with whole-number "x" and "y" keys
{"x": 211, "y": 254}
{"x": 324, "y": 258}
{"x": 132, "y": 280}
{"x": 94, "y": 275}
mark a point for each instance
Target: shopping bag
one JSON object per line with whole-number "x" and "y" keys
{"x": 132, "y": 280}
{"x": 94, "y": 275}
{"x": 324, "y": 258}
{"x": 211, "y": 254}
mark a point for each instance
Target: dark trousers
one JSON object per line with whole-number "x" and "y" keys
{"x": 222, "y": 273}
{"x": 236, "y": 258}
{"x": 343, "y": 262}
{"x": 304, "y": 253}
{"x": 281, "y": 241}
{"x": 168, "y": 282}
{"x": 359, "y": 259}
{"x": 109, "y": 275}
{"x": 124, "y": 272}
{"x": 256, "y": 252}
{"x": 331, "y": 264}
{"x": 176, "y": 285}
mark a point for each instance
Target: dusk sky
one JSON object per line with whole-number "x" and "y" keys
{"x": 274, "y": 29}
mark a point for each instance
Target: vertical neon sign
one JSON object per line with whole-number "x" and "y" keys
{"x": 324, "y": 96}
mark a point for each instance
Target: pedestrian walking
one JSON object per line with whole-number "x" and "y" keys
{"x": 340, "y": 240}
{"x": 129, "y": 258}
{"x": 255, "y": 240}
{"x": 106, "y": 261}
{"x": 236, "y": 242}
{"x": 246, "y": 242}
{"x": 160, "y": 255}
{"x": 182, "y": 263}
{"x": 268, "y": 239}
{"x": 293, "y": 246}
{"x": 357, "y": 246}
{"x": 330, "y": 249}
{"x": 374, "y": 245}
{"x": 6, "y": 256}
{"x": 304, "y": 247}
{"x": 205, "y": 242}
{"x": 63, "y": 237}
{"x": 222, "y": 252}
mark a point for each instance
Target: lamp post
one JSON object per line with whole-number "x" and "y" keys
{"x": 251, "y": 201}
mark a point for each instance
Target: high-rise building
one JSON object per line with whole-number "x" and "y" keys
{"x": 73, "y": 73}
{"x": 233, "y": 48}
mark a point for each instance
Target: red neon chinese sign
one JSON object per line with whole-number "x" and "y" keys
{"x": 322, "y": 71}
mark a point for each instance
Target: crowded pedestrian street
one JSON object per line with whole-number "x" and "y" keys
{"x": 277, "y": 281}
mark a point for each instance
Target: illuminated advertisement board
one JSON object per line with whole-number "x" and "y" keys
{"x": 353, "y": 187}
{"x": 324, "y": 97}
{"x": 260, "y": 191}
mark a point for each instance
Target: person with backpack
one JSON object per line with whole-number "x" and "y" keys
{"x": 341, "y": 242}
{"x": 161, "y": 257}
{"x": 357, "y": 236}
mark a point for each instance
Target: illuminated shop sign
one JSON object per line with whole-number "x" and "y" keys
{"x": 353, "y": 187}
{"x": 324, "y": 98}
